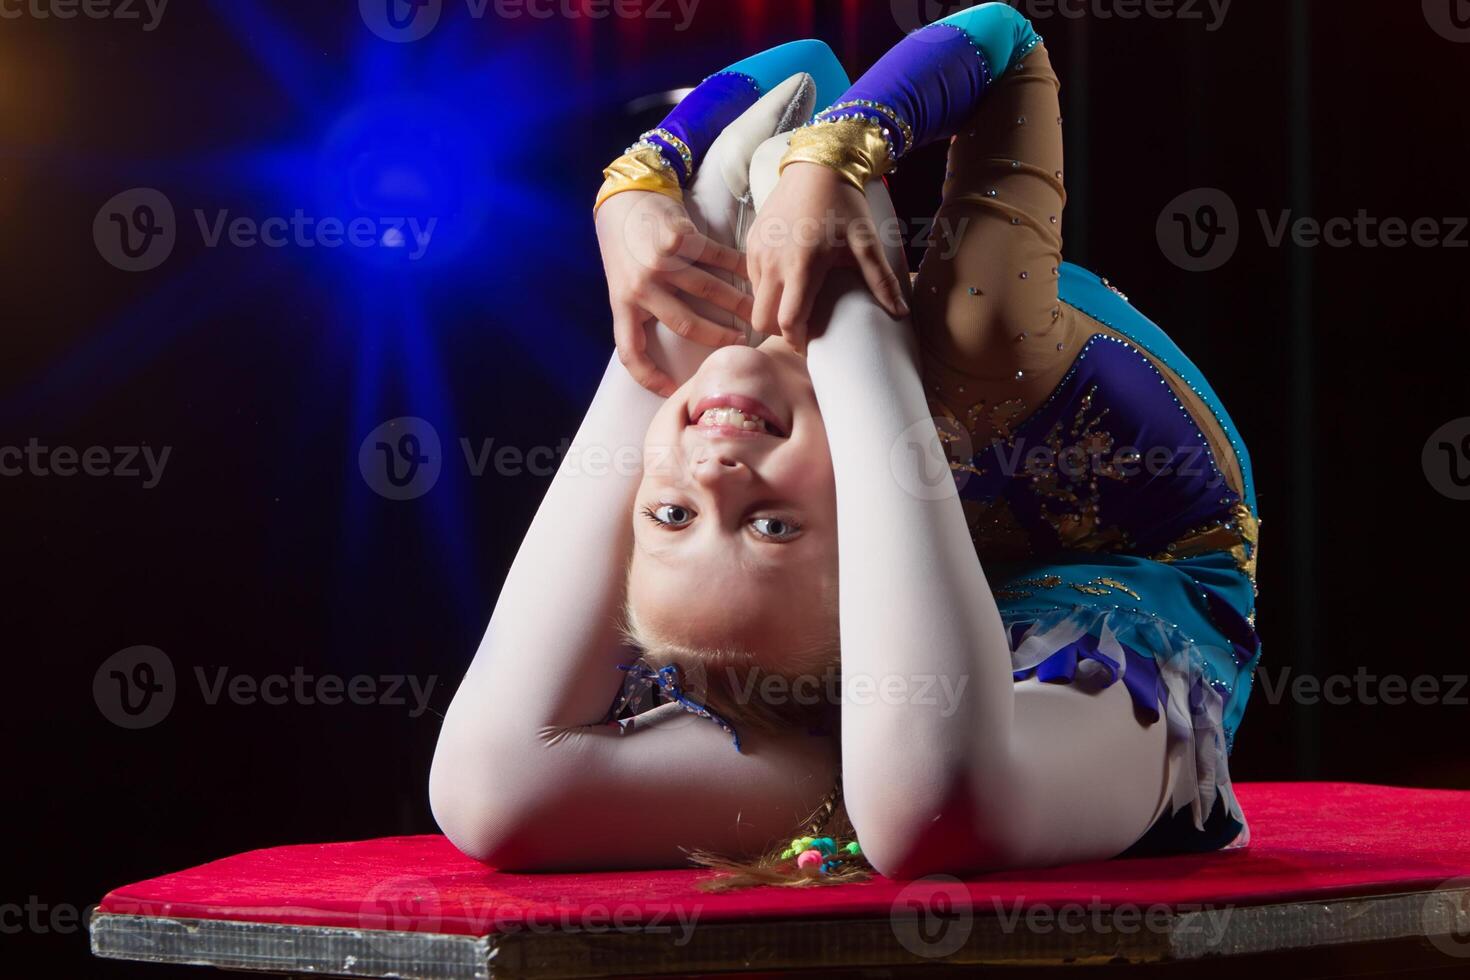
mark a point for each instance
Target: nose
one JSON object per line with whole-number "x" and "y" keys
{"x": 713, "y": 469}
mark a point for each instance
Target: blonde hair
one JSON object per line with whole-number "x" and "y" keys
{"x": 710, "y": 676}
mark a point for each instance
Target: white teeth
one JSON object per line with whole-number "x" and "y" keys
{"x": 732, "y": 417}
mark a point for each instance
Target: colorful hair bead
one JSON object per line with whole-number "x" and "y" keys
{"x": 810, "y": 859}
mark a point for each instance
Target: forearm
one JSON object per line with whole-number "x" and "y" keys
{"x": 915, "y": 602}
{"x": 549, "y": 656}
{"x": 920, "y": 629}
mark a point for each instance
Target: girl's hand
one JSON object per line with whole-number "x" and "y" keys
{"x": 812, "y": 221}
{"x": 655, "y": 260}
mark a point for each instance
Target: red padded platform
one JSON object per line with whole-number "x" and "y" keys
{"x": 1309, "y": 841}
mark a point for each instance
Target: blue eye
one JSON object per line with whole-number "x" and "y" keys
{"x": 775, "y": 528}
{"x": 670, "y": 515}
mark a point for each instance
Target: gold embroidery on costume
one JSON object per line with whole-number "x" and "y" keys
{"x": 1002, "y": 419}
{"x": 1239, "y": 535}
{"x": 1021, "y": 588}
{"x": 1074, "y": 512}
{"x": 1025, "y": 588}
{"x": 954, "y": 440}
{"x": 1103, "y": 586}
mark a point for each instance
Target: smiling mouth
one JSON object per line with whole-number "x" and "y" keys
{"x": 735, "y": 415}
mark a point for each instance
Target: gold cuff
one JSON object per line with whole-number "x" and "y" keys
{"x": 855, "y": 148}
{"x": 640, "y": 169}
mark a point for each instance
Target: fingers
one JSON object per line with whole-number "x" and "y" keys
{"x": 717, "y": 256}
{"x": 880, "y": 277}
{"x": 628, "y": 331}
{"x": 677, "y": 315}
{"x": 697, "y": 282}
{"x": 767, "y": 302}
{"x": 795, "y": 306}
{"x": 679, "y": 244}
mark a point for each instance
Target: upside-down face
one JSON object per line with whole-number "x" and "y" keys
{"x": 735, "y": 523}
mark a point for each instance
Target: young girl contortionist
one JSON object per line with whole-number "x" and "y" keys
{"x": 1043, "y": 657}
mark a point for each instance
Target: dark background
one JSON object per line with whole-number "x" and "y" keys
{"x": 264, "y": 551}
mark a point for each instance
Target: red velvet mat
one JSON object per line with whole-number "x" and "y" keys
{"x": 1309, "y": 840}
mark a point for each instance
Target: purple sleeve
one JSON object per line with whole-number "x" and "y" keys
{"x": 929, "y": 83}
{"x": 688, "y": 132}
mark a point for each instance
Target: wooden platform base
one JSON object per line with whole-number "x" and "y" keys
{"x": 1418, "y": 930}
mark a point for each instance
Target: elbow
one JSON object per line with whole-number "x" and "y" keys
{"x": 480, "y": 823}
{"x": 934, "y": 829}
{"x": 487, "y": 807}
